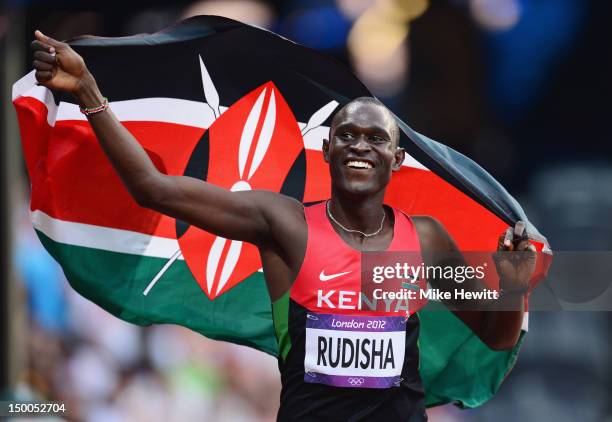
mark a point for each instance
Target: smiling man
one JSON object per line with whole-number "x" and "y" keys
{"x": 336, "y": 359}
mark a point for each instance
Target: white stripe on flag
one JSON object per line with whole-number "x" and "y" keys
{"x": 104, "y": 238}
{"x": 167, "y": 110}
{"x": 26, "y": 87}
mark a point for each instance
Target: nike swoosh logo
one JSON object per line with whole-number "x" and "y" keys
{"x": 324, "y": 277}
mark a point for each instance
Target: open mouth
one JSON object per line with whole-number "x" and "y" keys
{"x": 358, "y": 164}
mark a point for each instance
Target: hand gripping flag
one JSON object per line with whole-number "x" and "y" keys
{"x": 242, "y": 108}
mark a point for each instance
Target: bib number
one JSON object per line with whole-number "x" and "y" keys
{"x": 354, "y": 351}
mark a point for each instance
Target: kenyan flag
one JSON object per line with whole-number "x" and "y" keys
{"x": 244, "y": 109}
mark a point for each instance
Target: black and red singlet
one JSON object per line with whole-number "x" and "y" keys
{"x": 341, "y": 358}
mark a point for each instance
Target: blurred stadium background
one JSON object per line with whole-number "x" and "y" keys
{"x": 520, "y": 86}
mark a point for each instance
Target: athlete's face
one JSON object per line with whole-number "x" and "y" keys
{"x": 362, "y": 150}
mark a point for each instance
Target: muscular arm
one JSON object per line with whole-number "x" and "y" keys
{"x": 234, "y": 215}
{"x": 499, "y": 330}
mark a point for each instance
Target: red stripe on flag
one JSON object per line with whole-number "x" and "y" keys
{"x": 68, "y": 167}
{"x": 318, "y": 182}
{"x": 72, "y": 179}
{"x": 422, "y": 192}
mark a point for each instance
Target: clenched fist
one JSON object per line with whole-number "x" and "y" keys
{"x": 515, "y": 260}
{"x": 57, "y": 65}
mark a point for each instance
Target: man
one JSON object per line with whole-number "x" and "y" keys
{"x": 301, "y": 247}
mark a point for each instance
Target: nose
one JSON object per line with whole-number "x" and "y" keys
{"x": 360, "y": 145}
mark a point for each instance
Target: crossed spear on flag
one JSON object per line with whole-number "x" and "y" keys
{"x": 246, "y": 143}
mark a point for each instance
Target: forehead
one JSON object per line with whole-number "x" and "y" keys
{"x": 364, "y": 115}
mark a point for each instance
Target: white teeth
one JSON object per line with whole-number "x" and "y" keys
{"x": 359, "y": 164}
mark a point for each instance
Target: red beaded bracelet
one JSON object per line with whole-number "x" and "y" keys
{"x": 93, "y": 110}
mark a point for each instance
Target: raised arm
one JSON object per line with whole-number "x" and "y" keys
{"x": 233, "y": 215}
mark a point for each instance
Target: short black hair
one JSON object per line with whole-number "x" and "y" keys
{"x": 395, "y": 131}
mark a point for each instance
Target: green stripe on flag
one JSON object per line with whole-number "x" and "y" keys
{"x": 116, "y": 281}
{"x": 455, "y": 365}
{"x": 280, "y": 313}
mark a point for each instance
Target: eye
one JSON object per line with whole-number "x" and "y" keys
{"x": 378, "y": 139}
{"x": 346, "y": 135}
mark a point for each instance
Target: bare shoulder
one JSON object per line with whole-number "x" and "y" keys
{"x": 433, "y": 236}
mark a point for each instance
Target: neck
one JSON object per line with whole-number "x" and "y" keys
{"x": 363, "y": 213}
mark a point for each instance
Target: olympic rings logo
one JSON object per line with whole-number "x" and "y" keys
{"x": 356, "y": 381}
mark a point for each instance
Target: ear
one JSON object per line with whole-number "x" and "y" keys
{"x": 325, "y": 149}
{"x": 398, "y": 159}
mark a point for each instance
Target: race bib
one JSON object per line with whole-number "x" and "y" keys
{"x": 354, "y": 351}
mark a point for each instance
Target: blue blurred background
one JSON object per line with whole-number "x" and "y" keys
{"x": 520, "y": 86}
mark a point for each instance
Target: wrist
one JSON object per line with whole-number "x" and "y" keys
{"x": 87, "y": 93}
